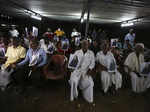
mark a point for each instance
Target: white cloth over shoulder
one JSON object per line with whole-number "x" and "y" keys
{"x": 112, "y": 76}
{"x": 80, "y": 78}
{"x": 139, "y": 84}
{"x": 133, "y": 62}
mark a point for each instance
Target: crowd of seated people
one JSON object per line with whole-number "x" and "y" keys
{"x": 31, "y": 60}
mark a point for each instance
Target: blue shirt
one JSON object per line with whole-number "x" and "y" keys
{"x": 41, "y": 60}
{"x": 131, "y": 39}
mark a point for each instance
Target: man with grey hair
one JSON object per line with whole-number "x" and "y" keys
{"x": 133, "y": 64}
{"x": 81, "y": 75}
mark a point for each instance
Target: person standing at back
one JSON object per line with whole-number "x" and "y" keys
{"x": 129, "y": 37}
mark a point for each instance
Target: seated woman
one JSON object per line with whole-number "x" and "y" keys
{"x": 14, "y": 54}
{"x": 108, "y": 69}
{"x": 36, "y": 59}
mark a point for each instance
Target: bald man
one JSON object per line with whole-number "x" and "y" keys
{"x": 133, "y": 65}
{"x": 81, "y": 76}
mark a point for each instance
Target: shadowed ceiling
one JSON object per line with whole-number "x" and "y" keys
{"x": 101, "y": 11}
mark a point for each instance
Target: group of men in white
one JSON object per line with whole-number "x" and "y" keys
{"x": 86, "y": 65}
{"x": 106, "y": 67}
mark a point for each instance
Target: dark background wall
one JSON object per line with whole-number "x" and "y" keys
{"x": 114, "y": 30}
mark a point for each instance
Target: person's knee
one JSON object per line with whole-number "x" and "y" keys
{"x": 118, "y": 74}
{"x": 133, "y": 75}
{"x": 91, "y": 83}
{"x": 104, "y": 72}
{"x": 104, "y": 75}
{"x": 73, "y": 80}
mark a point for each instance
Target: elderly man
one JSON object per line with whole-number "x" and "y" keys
{"x": 108, "y": 69}
{"x": 36, "y": 57}
{"x": 81, "y": 75}
{"x": 132, "y": 66}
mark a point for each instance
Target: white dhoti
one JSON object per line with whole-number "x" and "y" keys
{"x": 139, "y": 84}
{"x": 108, "y": 79}
{"x": 85, "y": 83}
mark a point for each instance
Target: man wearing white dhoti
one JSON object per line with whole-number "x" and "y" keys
{"x": 133, "y": 64}
{"x": 108, "y": 69}
{"x": 81, "y": 75}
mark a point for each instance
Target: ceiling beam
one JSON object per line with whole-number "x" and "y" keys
{"x": 127, "y": 3}
{"x": 20, "y": 6}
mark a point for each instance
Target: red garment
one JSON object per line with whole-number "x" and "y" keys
{"x": 57, "y": 62}
{"x": 50, "y": 35}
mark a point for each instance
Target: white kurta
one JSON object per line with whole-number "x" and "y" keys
{"x": 108, "y": 78}
{"x": 80, "y": 78}
{"x": 139, "y": 84}
{"x": 14, "y": 33}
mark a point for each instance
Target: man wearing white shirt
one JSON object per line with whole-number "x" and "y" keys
{"x": 75, "y": 33}
{"x": 81, "y": 75}
{"x": 108, "y": 69}
{"x": 14, "y": 32}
